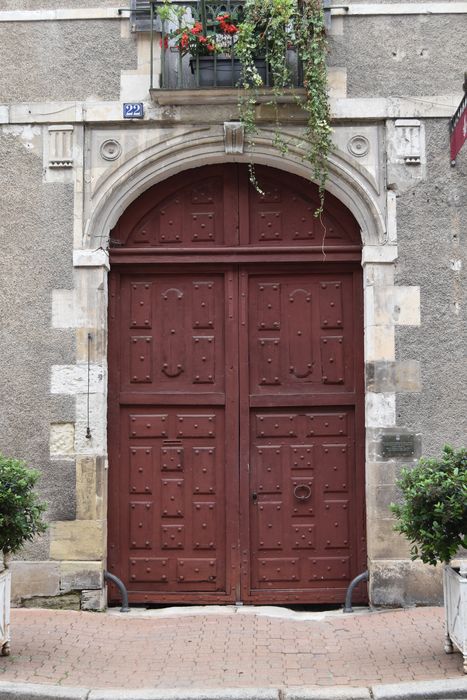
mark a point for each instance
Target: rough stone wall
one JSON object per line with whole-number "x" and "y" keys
{"x": 66, "y": 60}
{"x": 432, "y": 241}
{"x": 401, "y": 55}
{"x": 35, "y": 240}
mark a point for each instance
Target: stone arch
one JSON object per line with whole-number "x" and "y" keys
{"x": 124, "y": 183}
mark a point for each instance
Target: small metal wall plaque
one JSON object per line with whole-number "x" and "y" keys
{"x": 133, "y": 110}
{"x": 398, "y": 445}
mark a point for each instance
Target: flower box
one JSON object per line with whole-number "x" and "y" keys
{"x": 221, "y": 71}
{"x": 5, "y": 587}
{"x": 455, "y": 603}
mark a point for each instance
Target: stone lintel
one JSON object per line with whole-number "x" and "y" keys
{"x": 342, "y": 108}
{"x": 91, "y": 258}
{"x": 379, "y": 254}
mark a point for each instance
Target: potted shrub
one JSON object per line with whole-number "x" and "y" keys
{"x": 20, "y": 520}
{"x": 433, "y": 517}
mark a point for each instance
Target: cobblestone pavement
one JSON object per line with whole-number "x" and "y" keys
{"x": 227, "y": 649}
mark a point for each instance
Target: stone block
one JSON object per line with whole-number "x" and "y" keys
{"x": 62, "y": 439}
{"x": 400, "y": 583}
{"x": 379, "y": 343}
{"x": 387, "y": 376}
{"x": 378, "y": 254}
{"x": 34, "y": 578}
{"x": 398, "y": 305}
{"x": 97, "y": 347}
{"x": 73, "y": 379}
{"x": 89, "y": 488}
{"x": 380, "y": 410}
{"x": 68, "y": 601}
{"x": 40, "y": 691}
{"x": 336, "y": 693}
{"x": 422, "y": 690}
{"x": 380, "y": 473}
{"x": 94, "y": 600}
{"x": 383, "y": 542}
{"x": 80, "y": 575}
{"x": 77, "y": 540}
{"x": 379, "y": 274}
{"x": 379, "y": 498}
{"x": 97, "y": 443}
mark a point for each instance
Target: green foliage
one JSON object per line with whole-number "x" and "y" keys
{"x": 270, "y": 29}
{"x": 433, "y": 514}
{"x": 20, "y": 509}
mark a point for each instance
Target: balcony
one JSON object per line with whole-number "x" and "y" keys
{"x": 178, "y": 59}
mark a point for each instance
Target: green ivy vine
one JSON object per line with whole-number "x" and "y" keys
{"x": 276, "y": 30}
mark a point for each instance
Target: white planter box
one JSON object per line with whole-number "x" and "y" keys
{"x": 5, "y": 588}
{"x": 455, "y": 603}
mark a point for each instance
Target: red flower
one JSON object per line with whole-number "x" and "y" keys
{"x": 166, "y": 42}
{"x": 225, "y": 24}
{"x": 197, "y": 28}
{"x": 211, "y": 47}
{"x": 184, "y": 39}
{"x": 202, "y": 39}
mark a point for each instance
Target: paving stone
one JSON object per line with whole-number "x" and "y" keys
{"x": 151, "y": 651}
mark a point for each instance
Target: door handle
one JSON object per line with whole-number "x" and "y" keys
{"x": 254, "y": 497}
{"x": 302, "y": 492}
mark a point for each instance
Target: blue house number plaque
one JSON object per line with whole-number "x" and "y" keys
{"x": 133, "y": 110}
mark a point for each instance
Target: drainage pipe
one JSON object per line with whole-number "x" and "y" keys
{"x": 348, "y": 596}
{"x": 121, "y": 587}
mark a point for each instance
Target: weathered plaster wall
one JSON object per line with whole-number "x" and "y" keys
{"x": 66, "y": 60}
{"x": 35, "y": 240}
{"x": 432, "y": 220}
{"x": 401, "y": 55}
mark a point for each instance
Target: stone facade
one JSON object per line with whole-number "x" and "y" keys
{"x": 71, "y": 165}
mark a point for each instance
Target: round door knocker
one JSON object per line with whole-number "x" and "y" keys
{"x": 302, "y": 492}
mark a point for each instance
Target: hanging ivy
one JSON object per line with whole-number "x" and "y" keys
{"x": 278, "y": 31}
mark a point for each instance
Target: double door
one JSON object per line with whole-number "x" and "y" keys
{"x": 235, "y": 432}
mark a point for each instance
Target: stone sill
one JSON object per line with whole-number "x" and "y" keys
{"x": 219, "y": 96}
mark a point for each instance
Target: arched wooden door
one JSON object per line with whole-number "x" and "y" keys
{"x": 235, "y": 392}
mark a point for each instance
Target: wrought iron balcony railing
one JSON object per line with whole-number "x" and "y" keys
{"x": 184, "y": 26}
